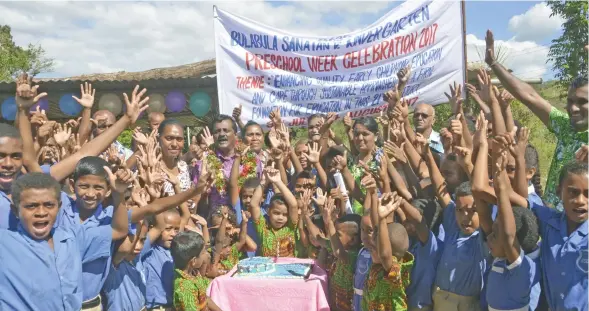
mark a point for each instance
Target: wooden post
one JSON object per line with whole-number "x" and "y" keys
{"x": 463, "y": 16}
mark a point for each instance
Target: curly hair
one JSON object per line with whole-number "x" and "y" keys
{"x": 526, "y": 228}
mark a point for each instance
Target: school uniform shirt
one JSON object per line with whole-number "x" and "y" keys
{"x": 124, "y": 288}
{"x": 35, "y": 277}
{"x": 509, "y": 285}
{"x": 564, "y": 261}
{"x": 94, "y": 272}
{"x": 426, "y": 257}
{"x": 159, "y": 277}
{"x": 363, "y": 264}
{"x": 8, "y": 219}
{"x": 464, "y": 259}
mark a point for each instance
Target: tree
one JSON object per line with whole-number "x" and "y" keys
{"x": 566, "y": 52}
{"x": 15, "y": 59}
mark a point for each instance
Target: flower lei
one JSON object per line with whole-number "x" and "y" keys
{"x": 218, "y": 177}
{"x": 249, "y": 169}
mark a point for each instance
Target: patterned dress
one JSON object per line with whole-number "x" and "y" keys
{"x": 276, "y": 243}
{"x": 358, "y": 172}
{"x": 341, "y": 282}
{"x": 567, "y": 145}
{"x": 385, "y": 290}
{"x": 227, "y": 263}
{"x": 183, "y": 178}
{"x": 190, "y": 292}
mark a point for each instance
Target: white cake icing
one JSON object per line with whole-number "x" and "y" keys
{"x": 255, "y": 265}
{"x": 264, "y": 267}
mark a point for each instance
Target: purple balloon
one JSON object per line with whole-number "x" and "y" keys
{"x": 175, "y": 101}
{"x": 43, "y": 104}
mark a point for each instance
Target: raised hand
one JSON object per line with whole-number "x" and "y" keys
{"x": 368, "y": 182}
{"x": 395, "y": 151}
{"x": 139, "y": 195}
{"x": 348, "y": 123}
{"x": 522, "y": 142}
{"x": 320, "y": 198}
{"x": 383, "y": 119}
{"x": 420, "y": 144}
{"x": 331, "y": 117}
{"x": 480, "y": 135}
{"x": 272, "y": 174}
{"x": 62, "y": 134}
{"x": 139, "y": 137}
{"x": 456, "y": 128}
{"x": 464, "y": 155}
{"x": 283, "y": 134}
{"x": 403, "y": 75}
{"x": 388, "y": 203}
{"x": 26, "y": 95}
{"x": 245, "y": 216}
{"x": 275, "y": 117}
{"x": 39, "y": 117}
{"x": 581, "y": 154}
{"x": 273, "y": 138}
{"x": 505, "y": 99}
{"x": 207, "y": 137}
{"x": 447, "y": 140}
{"x": 276, "y": 154}
{"x": 401, "y": 111}
{"x": 490, "y": 49}
{"x": 171, "y": 178}
{"x": 242, "y": 149}
{"x": 136, "y": 105}
{"x": 121, "y": 180}
{"x": 314, "y": 152}
{"x": 340, "y": 162}
{"x": 455, "y": 97}
{"x": 236, "y": 113}
{"x": 46, "y": 129}
{"x": 487, "y": 93}
{"x": 87, "y": 94}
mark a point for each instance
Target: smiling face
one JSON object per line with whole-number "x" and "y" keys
{"x": 301, "y": 149}
{"x": 254, "y": 137}
{"x": 573, "y": 193}
{"x": 37, "y": 211}
{"x": 466, "y": 215}
{"x": 363, "y": 138}
{"x": 104, "y": 119}
{"x": 224, "y": 135}
{"x": 172, "y": 141}
{"x": 313, "y": 129}
{"x": 10, "y": 160}
{"x": 91, "y": 190}
{"x": 577, "y": 107}
{"x": 278, "y": 214}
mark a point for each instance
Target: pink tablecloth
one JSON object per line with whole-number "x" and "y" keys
{"x": 235, "y": 294}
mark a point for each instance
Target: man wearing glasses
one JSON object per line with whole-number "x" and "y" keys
{"x": 424, "y": 117}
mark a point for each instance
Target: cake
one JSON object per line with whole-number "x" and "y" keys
{"x": 255, "y": 265}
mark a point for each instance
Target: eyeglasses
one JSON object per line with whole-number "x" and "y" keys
{"x": 417, "y": 115}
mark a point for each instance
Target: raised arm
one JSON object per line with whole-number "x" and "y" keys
{"x": 25, "y": 98}
{"x": 436, "y": 177}
{"x": 506, "y": 220}
{"x": 387, "y": 204}
{"x": 291, "y": 201}
{"x": 119, "y": 182}
{"x": 135, "y": 107}
{"x": 313, "y": 159}
{"x": 413, "y": 215}
{"x": 336, "y": 244}
{"x": 86, "y": 101}
{"x": 524, "y": 92}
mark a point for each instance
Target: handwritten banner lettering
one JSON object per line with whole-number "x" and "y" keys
{"x": 263, "y": 68}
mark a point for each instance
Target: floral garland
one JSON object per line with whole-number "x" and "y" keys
{"x": 218, "y": 177}
{"x": 249, "y": 169}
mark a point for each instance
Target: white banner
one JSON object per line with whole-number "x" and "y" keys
{"x": 262, "y": 68}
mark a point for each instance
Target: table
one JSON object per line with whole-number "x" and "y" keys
{"x": 260, "y": 294}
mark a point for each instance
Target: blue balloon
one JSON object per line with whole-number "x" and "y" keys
{"x": 200, "y": 103}
{"x": 69, "y": 106}
{"x": 9, "y": 109}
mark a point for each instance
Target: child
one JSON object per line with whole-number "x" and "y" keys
{"x": 364, "y": 260}
{"x": 515, "y": 234}
{"x": 277, "y": 235}
{"x": 28, "y": 278}
{"x": 159, "y": 266}
{"x": 389, "y": 275}
{"x": 344, "y": 238}
{"x": 188, "y": 253}
{"x": 228, "y": 248}
{"x": 564, "y": 250}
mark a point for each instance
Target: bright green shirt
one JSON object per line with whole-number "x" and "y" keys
{"x": 341, "y": 281}
{"x": 276, "y": 243}
{"x": 385, "y": 290}
{"x": 567, "y": 145}
{"x": 190, "y": 292}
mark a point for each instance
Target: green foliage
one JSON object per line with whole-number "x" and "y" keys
{"x": 15, "y": 59}
{"x": 125, "y": 138}
{"x": 566, "y": 52}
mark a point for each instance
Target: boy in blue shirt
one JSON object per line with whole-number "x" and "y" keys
{"x": 364, "y": 260}
{"x": 53, "y": 255}
{"x": 515, "y": 234}
{"x": 563, "y": 254}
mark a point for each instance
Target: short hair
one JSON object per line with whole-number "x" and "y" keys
{"x": 533, "y": 161}
{"x": 526, "y": 228}
{"x": 277, "y": 198}
{"x": 574, "y": 167}
{"x": 186, "y": 246}
{"x": 579, "y": 81}
{"x": 252, "y": 182}
{"x": 399, "y": 238}
{"x": 304, "y": 174}
{"x": 463, "y": 190}
{"x": 249, "y": 124}
{"x": 352, "y": 218}
{"x": 91, "y": 165}
{"x": 431, "y": 211}
{"x": 7, "y": 130}
{"x": 218, "y": 211}
{"x": 155, "y": 113}
{"x": 223, "y": 117}
{"x": 314, "y": 116}
{"x": 302, "y": 141}
{"x": 168, "y": 122}
{"x": 34, "y": 181}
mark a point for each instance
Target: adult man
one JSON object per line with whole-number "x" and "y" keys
{"x": 570, "y": 128}
{"x": 103, "y": 120}
{"x": 424, "y": 117}
{"x": 155, "y": 119}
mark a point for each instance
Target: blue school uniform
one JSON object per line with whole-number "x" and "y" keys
{"x": 94, "y": 272}
{"x": 363, "y": 264}
{"x": 509, "y": 285}
{"x": 35, "y": 277}
{"x": 159, "y": 276}
{"x": 8, "y": 220}
{"x": 423, "y": 274}
{"x": 564, "y": 260}
{"x": 124, "y": 288}
{"x": 464, "y": 258}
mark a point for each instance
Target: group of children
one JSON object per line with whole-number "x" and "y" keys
{"x": 397, "y": 225}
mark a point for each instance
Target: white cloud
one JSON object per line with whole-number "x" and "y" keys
{"x": 527, "y": 59}
{"x": 93, "y": 37}
{"x": 535, "y": 24}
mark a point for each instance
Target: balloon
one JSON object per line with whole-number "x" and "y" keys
{"x": 110, "y": 102}
{"x": 69, "y": 106}
{"x": 175, "y": 101}
{"x": 157, "y": 103}
{"x": 200, "y": 103}
{"x": 9, "y": 109}
{"x": 43, "y": 104}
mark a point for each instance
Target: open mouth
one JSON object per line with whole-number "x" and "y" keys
{"x": 7, "y": 177}
{"x": 579, "y": 211}
{"x": 89, "y": 202}
{"x": 40, "y": 227}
